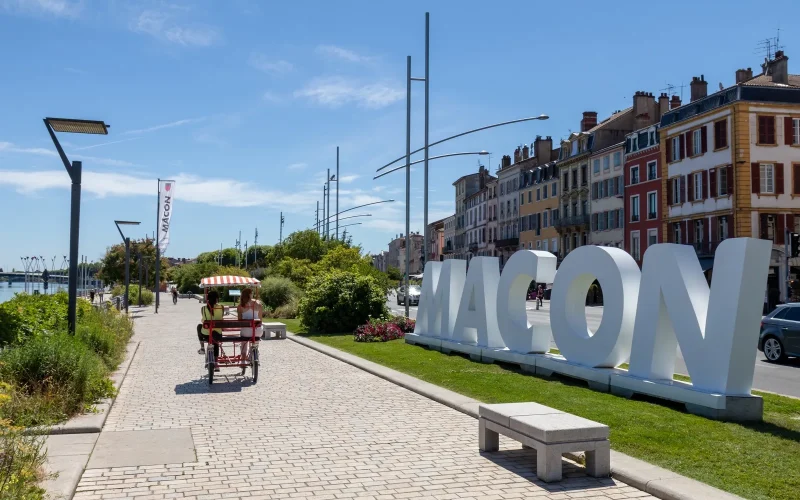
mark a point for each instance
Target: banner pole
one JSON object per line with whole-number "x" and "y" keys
{"x": 158, "y": 251}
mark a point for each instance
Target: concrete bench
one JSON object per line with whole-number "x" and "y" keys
{"x": 550, "y": 432}
{"x": 279, "y": 329}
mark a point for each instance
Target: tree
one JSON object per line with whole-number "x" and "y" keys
{"x": 394, "y": 273}
{"x": 340, "y": 258}
{"x": 229, "y": 257}
{"x": 112, "y": 266}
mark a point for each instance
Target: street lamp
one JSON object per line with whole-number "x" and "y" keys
{"x": 481, "y": 153}
{"x": 74, "y": 170}
{"x": 356, "y": 207}
{"x": 127, "y": 242}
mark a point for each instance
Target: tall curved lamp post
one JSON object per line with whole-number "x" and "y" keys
{"x": 127, "y": 242}
{"x": 322, "y": 222}
{"x": 74, "y": 169}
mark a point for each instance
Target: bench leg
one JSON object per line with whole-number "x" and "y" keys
{"x": 488, "y": 439}
{"x": 598, "y": 462}
{"x": 548, "y": 464}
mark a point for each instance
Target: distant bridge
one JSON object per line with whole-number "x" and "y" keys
{"x": 19, "y": 277}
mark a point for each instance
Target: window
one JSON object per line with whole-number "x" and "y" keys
{"x": 544, "y": 245}
{"x": 676, "y": 231}
{"x": 652, "y": 211}
{"x": 766, "y": 130}
{"x": 553, "y": 190}
{"x": 767, "y": 177}
{"x": 796, "y": 131}
{"x": 635, "y": 208}
{"x": 605, "y": 163}
{"x": 635, "y": 175}
{"x": 697, "y": 142}
{"x": 596, "y": 166}
{"x": 617, "y": 159}
{"x": 653, "y": 138}
{"x": 544, "y": 193}
{"x": 554, "y": 244}
{"x": 722, "y": 181}
{"x": 635, "y": 245}
{"x": 530, "y": 195}
{"x": 721, "y": 134}
{"x": 634, "y": 143}
{"x": 538, "y": 194}
{"x": 651, "y": 170}
{"x": 652, "y": 237}
{"x": 676, "y": 190}
{"x": 676, "y": 148}
{"x": 698, "y": 186}
{"x": 698, "y": 231}
{"x": 584, "y": 177}
{"x": 722, "y": 227}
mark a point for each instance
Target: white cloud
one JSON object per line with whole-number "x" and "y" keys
{"x": 341, "y": 53}
{"x": 11, "y": 148}
{"x": 337, "y": 91}
{"x": 177, "y": 123}
{"x": 271, "y": 97}
{"x": 273, "y": 67}
{"x": 160, "y": 25}
{"x": 347, "y": 179}
{"x": 106, "y": 143}
{"x": 298, "y": 166}
{"x": 56, "y": 8}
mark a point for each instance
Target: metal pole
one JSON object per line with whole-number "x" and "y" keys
{"x": 127, "y": 270}
{"x": 280, "y": 233}
{"x": 337, "y": 192}
{"x": 425, "y": 170}
{"x": 139, "y": 259}
{"x": 158, "y": 248}
{"x": 328, "y": 220}
{"x": 324, "y": 212}
{"x": 786, "y": 250}
{"x": 74, "y": 231}
{"x": 316, "y": 217}
{"x": 408, "y": 176}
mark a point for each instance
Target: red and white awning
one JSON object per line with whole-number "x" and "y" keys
{"x": 228, "y": 281}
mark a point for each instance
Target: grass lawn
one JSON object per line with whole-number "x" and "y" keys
{"x": 754, "y": 460}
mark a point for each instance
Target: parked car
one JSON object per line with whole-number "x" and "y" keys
{"x": 413, "y": 295}
{"x": 780, "y": 333}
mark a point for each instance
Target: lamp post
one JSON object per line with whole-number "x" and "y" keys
{"x": 361, "y": 206}
{"x": 127, "y": 242}
{"x": 481, "y": 153}
{"x": 74, "y": 170}
{"x": 337, "y": 193}
{"x": 139, "y": 262}
{"x": 327, "y": 221}
{"x": 324, "y": 212}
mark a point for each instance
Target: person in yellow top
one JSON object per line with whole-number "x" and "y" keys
{"x": 211, "y": 311}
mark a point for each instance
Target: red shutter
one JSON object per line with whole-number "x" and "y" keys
{"x": 705, "y": 184}
{"x": 704, "y": 138}
{"x": 683, "y": 189}
{"x": 712, "y": 184}
{"x": 796, "y": 178}
{"x": 684, "y": 232}
{"x": 689, "y": 149}
{"x": 788, "y": 131}
{"x": 690, "y": 186}
{"x": 730, "y": 226}
{"x": 668, "y": 144}
{"x": 780, "y": 227}
{"x": 689, "y": 232}
{"x": 713, "y": 230}
{"x": 730, "y": 180}
{"x": 779, "y": 178}
{"x": 669, "y": 189}
{"x": 682, "y": 142}
{"x": 755, "y": 178}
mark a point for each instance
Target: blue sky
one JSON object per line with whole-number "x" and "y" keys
{"x": 244, "y": 102}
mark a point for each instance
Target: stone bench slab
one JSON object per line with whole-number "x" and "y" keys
{"x": 559, "y": 428}
{"x": 502, "y": 413}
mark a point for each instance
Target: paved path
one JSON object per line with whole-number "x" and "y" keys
{"x": 312, "y": 427}
{"x": 783, "y": 378}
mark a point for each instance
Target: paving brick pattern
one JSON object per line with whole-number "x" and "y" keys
{"x": 312, "y": 427}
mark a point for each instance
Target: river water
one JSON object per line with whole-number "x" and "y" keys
{"x": 7, "y": 291}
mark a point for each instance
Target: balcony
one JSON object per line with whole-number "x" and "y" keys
{"x": 634, "y": 217}
{"x": 473, "y": 248}
{"x": 651, "y": 216}
{"x": 448, "y": 248}
{"x": 574, "y": 221}
{"x": 507, "y": 242}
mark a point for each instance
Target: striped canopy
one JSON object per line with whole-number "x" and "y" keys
{"x": 228, "y": 281}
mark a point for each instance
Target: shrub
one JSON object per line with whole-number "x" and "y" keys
{"x": 148, "y": 297}
{"x": 277, "y": 291}
{"x": 340, "y": 301}
{"x": 107, "y": 333}
{"x": 287, "y": 311}
{"x": 378, "y": 331}
{"x": 22, "y": 460}
{"x": 27, "y": 316}
{"x": 406, "y": 325}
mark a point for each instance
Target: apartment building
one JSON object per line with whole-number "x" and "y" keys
{"x": 397, "y": 253}
{"x": 435, "y": 235}
{"x": 476, "y": 224}
{"x": 731, "y": 165}
{"x": 379, "y": 261}
{"x": 539, "y": 197}
{"x": 465, "y": 187}
{"x": 449, "y": 237}
{"x": 508, "y": 221}
{"x": 491, "y": 217}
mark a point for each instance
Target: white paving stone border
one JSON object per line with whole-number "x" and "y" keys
{"x": 657, "y": 481}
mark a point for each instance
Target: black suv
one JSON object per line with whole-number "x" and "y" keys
{"x": 780, "y": 333}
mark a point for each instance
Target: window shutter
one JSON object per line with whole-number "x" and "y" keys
{"x": 730, "y": 180}
{"x": 763, "y": 227}
{"x": 788, "y": 130}
{"x": 669, "y": 149}
{"x": 689, "y": 150}
{"x": 712, "y": 182}
{"x": 690, "y": 185}
{"x": 683, "y": 232}
{"x": 705, "y": 184}
{"x": 717, "y": 133}
{"x": 683, "y": 189}
{"x": 730, "y": 226}
{"x": 689, "y": 232}
{"x": 755, "y": 178}
{"x": 682, "y": 146}
{"x": 779, "y": 178}
{"x": 780, "y": 227}
{"x": 790, "y": 222}
{"x": 620, "y": 185}
{"x": 796, "y": 178}
{"x": 714, "y": 230}
{"x": 594, "y": 190}
{"x": 704, "y": 138}
{"x": 669, "y": 191}
{"x": 594, "y": 222}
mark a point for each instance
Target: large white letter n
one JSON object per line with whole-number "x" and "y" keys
{"x": 717, "y": 329}
{"x": 442, "y": 285}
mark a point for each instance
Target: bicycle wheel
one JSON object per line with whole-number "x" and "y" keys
{"x": 254, "y": 364}
{"x": 210, "y": 363}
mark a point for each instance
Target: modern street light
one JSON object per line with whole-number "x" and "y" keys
{"x": 481, "y": 153}
{"x": 127, "y": 242}
{"x": 74, "y": 170}
{"x": 357, "y": 207}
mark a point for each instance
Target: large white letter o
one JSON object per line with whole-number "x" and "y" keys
{"x": 619, "y": 278}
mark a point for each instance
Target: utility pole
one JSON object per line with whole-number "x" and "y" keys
{"x": 280, "y": 234}
{"x": 245, "y": 255}
{"x": 324, "y": 212}
{"x": 327, "y": 220}
{"x": 255, "y": 249}
{"x": 337, "y": 192}
{"x": 239, "y": 250}
{"x": 316, "y": 217}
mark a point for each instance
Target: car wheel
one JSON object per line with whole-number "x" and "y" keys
{"x": 773, "y": 350}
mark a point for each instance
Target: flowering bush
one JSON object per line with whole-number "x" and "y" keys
{"x": 378, "y": 331}
{"x": 405, "y": 324}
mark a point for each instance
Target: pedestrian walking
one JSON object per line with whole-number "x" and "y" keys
{"x": 91, "y": 295}
{"x": 540, "y": 297}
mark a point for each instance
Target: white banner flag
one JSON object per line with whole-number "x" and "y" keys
{"x": 166, "y": 194}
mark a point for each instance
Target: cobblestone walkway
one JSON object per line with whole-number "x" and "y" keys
{"x": 312, "y": 427}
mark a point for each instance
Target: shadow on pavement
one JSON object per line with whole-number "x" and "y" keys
{"x": 222, "y": 384}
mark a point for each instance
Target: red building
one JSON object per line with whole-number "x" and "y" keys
{"x": 642, "y": 191}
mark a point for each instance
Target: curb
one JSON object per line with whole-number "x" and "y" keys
{"x": 657, "y": 481}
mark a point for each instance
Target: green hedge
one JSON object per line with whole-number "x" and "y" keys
{"x": 340, "y": 301}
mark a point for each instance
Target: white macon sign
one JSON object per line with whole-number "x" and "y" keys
{"x": 647, "y": 314}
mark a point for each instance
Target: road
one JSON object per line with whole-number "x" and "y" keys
{"x": 779, "y": 378}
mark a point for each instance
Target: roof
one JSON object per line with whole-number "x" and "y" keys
{"x": 476, "y": 174}
{"x": 766, "y": 81}
{"x": 610, "y": 119}
{"x": 228, "y": 281}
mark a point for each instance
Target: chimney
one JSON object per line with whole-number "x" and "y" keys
{"x": 644, "y": 109}
{"x": 525, "y": 152}
{"x": 517, "y": 155}
{"x": 589, "y": 120}
{"x": 699, "y": 88}
{"x": 663, "y": 104}
{"x": 778, "y": 68}
{"x": 506, "y": 161}
{"x": 675, "y": 102}
{"x": 543, "y": 148}
{"x": 742, "y": 75}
